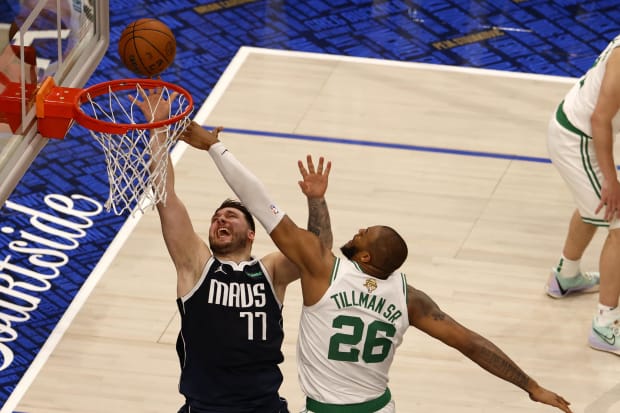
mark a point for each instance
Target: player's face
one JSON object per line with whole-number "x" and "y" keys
{"x": 229, "y": 231}
{"x": 359, "y": 242}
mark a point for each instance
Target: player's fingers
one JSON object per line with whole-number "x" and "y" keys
{"x": 183, "y": 136}
{"x": 187, "y": 132}
{"x": 302, "y": 169}
{"x": 320, "y": 167}
{"x": 150, "y": 92}
{"x": 142, "y": 93}
{"x": 328, "y": 168}
{"x": 557, "y": 401}
{"x": 310, "y": 164}
{"x": 610, "y": 211}
{"x": 565, "y": 407}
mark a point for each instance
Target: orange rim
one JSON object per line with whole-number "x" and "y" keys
{"x": 125, "y": 84}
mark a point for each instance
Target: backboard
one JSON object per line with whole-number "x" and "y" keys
{"x": 62, "y": 39}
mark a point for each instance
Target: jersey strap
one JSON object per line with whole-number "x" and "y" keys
{"x": 370, "y": 406}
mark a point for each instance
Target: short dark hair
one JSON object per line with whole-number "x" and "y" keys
{"x": 390, "y": 250}
{"x": 231, "y": 203}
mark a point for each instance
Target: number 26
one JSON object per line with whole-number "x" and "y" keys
{"x": 372, "y": 341}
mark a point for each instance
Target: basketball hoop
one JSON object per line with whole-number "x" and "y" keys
{"x": 136, "y": 163}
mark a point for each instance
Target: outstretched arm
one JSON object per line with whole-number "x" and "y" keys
{"x": 425, "y": 315}
{"x": 188, "y": 251}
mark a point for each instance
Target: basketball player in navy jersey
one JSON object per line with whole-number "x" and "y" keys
{"x": 356, "y": 311}
{"x": 230, "y": 302}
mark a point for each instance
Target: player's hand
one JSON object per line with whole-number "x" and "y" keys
{"x": 154, "y": 104}
{"x": 542, "y": 395}
{"x": 314, "y": 183}
{"x": 610, "y": 199}
{"x": 199, "y": 137}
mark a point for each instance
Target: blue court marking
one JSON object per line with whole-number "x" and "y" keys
{"x": 390, "y": 145}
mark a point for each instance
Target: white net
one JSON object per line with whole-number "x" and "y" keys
{"x": 137, "y": 161}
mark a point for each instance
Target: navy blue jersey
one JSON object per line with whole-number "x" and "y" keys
{"x": 230, "y": 342}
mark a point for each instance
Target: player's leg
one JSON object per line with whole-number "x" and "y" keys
{"x": 566, "y": 276}
{"x": 605, "y": 333}
{"x": 578, "y": 238}
{"x": 567, "y": 151}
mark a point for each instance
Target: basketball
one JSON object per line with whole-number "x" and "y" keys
{"x": 147, "y": 47}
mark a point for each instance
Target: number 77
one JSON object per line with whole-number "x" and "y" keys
{"x": 262, "y": 316}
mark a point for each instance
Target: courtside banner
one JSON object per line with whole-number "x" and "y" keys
{"x": 53, "y": 232}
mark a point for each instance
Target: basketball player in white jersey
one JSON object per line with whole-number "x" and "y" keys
{"x": 581, "y": 138}
{"x": 357, "y": 309}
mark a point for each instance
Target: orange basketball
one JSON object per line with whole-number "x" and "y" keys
{"x": 147, "y": 47}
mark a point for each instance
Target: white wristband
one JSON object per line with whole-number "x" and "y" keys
{"x": 250, "y": 191}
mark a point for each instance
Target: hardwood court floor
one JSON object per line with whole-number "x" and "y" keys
{"x": 483, "y": 233}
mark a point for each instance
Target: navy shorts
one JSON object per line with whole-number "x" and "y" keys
{"x": 281, "y": 408}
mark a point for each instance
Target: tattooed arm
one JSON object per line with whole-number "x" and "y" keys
{"x": 314, "y": 185}
{"x": 425, "y": 315}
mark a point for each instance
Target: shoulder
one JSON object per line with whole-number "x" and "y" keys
{"x": 420, "y": 305}
{"x": 271, "y": 261}
{"x": 280, "y": 269}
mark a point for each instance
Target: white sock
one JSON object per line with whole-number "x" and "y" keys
{"x": 567, "y": 268}
{"x": 606, "y": 315}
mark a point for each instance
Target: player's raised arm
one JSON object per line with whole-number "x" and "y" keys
{"x": 187, "y": 250}
{"x": 300, "y": 246}
{"x": 313, "y": 185}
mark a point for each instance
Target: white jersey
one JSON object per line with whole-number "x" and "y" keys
{"x": 347, "y": 340}
{"x": 569, "y": 141}
{"x": 580, "y": 101}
